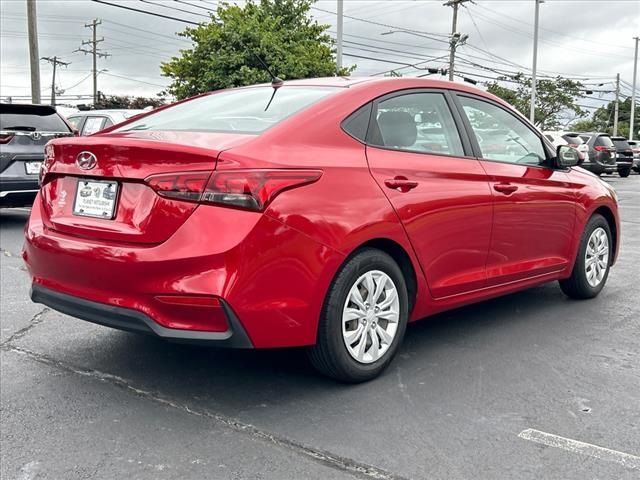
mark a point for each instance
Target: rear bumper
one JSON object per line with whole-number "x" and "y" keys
{"x": 135, "y": 321}
{"x": 270, "y": 280}
{"x": 599, "y": 168}
{"x": 17, "y": 193}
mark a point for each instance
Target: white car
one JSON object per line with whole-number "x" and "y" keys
{"x": 571, "y": 139}
{"x": 88, "y": 122}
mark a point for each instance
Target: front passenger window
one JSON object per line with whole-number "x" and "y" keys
{"x": 501, "y": 135}
{"x": 418, "y": 122}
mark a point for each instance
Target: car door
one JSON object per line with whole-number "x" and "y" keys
{"x": 423, "y": 163}
{"x": 534, "y": 204}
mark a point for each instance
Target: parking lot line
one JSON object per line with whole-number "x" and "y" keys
{"x": 576, "y": 446}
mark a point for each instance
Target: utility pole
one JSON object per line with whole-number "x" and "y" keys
{"x": 96, "y": 53}
{"x": 55, "y": 62}
{"x": 455, "y": 36}
{"x": 616, "y": 107}
{"x": 633, "y": 91}
{"x": 532, "y": 112}
{"x": 339, "y": 35}
{"x": 32, "y": 27}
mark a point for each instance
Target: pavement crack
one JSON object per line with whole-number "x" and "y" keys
{"x": 347, "y": 465}
{"x": 37, "y": 319}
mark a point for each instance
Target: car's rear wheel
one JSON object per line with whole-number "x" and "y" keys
{"x": 591, "y": 269}
{"x": 624, "y": 172}
{"x": 363, "y": 319}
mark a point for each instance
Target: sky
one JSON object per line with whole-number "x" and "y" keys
{"x": 590, "y": 40}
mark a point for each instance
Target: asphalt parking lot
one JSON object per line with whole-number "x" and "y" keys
{"x": 528, "y": 386}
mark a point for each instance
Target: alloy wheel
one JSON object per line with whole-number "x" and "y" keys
{"x": 596, "y": 260}
{"x": 370, "y": 316}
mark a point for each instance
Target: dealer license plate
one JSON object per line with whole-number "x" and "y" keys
{"x": 96, "y": 198}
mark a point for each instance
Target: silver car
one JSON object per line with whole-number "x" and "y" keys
{"x": 91, "y": 121}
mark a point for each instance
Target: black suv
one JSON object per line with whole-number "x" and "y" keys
{"x": 602, "y": 153}
{"x": 624, "y": 156}
{"x": 24, "y": 131}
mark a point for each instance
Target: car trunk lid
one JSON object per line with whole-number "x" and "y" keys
{"x": 140, "y": 215}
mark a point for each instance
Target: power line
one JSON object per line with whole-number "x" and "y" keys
{"x": 387, "y": 25}
{"x": 145, "y": 12}
{"x": 174, "y": 8}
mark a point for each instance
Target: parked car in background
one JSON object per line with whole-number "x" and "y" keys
{"x": 314, "y": 215}
{"x": 89, "y": 122}
{"x": 635, "y": 146}
{"x": 602, "y": 153}
{"x": 624, "y": 156}
{"x": 24, "y": 131}
{"x": 568, "y": 138}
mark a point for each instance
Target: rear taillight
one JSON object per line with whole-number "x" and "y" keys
{"x": 6, "y": 137}
{"x": 49, "y": 158}
{"x": 602, "y": 148}
{"x": 247, "y": 189}
{"x": 181, "y": 186}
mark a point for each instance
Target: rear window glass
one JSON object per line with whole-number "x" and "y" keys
{"x": 573, "y": 139}
{"x": 604, "y": 140}
{"x": 31, "y": 119}
{"x": 241, "y": 110}
{"x": 621, "y": 144}
{"x": 585, "y": 138}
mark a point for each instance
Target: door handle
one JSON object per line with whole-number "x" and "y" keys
{"x": 505, "y": 188}
{"x": 402, "y": 184}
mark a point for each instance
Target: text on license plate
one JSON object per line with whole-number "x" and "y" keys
{"x": 32, "y": 168}
{"x": 95, "y": 198}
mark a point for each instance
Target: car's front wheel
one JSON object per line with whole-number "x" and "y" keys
{"x": 624, "y": 172}
{"x": 363, "y": 319}
{"x": 591, "y": 268}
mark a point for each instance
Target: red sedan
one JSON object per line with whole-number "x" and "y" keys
{"x": 323, "y": 213}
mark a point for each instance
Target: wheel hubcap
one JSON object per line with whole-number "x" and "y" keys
{"x": 596, "y": 262}
{"x": 370, "y": 316}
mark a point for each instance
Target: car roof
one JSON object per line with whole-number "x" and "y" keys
{"x": 396, "y": 82}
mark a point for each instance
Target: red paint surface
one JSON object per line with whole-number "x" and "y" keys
{"x": 466, "y": 240}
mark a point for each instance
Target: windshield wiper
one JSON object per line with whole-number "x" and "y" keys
{"x": 21, "y": 127}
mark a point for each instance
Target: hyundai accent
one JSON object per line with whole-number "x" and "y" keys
{"x": 324, "y": 213}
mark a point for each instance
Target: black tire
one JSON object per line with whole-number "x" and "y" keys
{"x": 330, "y": 355}
{"x": 624, "y": 172}
{"x": 577, "y": 285}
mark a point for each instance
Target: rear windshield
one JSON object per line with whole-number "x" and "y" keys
{"x": 573, "y": 139}
{"x": 621, "y": 144}
{"x": 31, "y": 118}
{"x": 242, "y": 110}
{"x": 604, "y": 140}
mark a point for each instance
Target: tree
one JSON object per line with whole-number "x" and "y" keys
{"x": 227, "y": 50}
{"x": 602, "y": 119}
{"x": 553, "y": 97}
{"x": 115, "y": 101}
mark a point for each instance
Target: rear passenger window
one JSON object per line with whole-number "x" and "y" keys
{"x": 357, "y": 123}
{"x": 418, "y": 122}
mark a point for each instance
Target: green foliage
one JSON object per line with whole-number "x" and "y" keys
{"x": 602, "y": 119}
{"x": 553, "y": 97}
{"x": 225, "y": 49}
{"x": 115, "y": 101}
{"x": 584, "y": 125}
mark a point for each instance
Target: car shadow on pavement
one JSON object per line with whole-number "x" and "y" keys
{"x": 235, "y": 381}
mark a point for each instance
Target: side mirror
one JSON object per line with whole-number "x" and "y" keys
{"x": 566, "y": 156}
